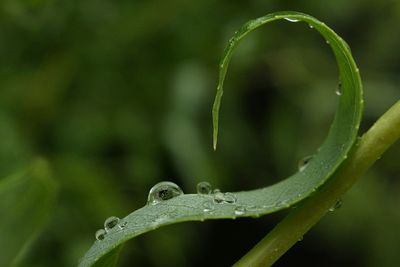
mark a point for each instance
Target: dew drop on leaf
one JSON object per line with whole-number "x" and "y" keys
{"x": 203, "y": 188}
{"x": 110, "y": 223}
{"x": 240, "y": 210}
{"x": 100, "y": 234}
{"x": 219, "y": 197}
{"x": 122, "y": 225}
{"x": 304, "y": 162}
{"x": 230, "y": 198}
{"x": 208, "y": 206}
{"x": 163, "y": 191}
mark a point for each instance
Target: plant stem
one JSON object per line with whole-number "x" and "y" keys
{"x": 370, "y": 147}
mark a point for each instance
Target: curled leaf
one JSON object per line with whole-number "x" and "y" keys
{"x": 288, "y": 192}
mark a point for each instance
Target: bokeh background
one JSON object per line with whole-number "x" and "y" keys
{"x": 117, "y": 96}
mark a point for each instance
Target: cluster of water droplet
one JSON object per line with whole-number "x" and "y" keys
{"x": 109, "y": 223}
{"x": 216, "y": 197}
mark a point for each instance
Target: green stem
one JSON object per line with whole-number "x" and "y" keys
{"x": 370, "y": 147}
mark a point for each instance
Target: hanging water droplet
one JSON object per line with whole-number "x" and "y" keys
{"x": 310, "y": 26}
{"x": 110, "y": 223}
{"x": 327, "y": 41}
{"x": 339, "y": 89}
{"x": 304, "y": 162}
{"x": 240, "y": 210}
{"x": 300, "y": 238}
{"x": 337, "y": 205}
{"x": 203, "y": 188}
{"x": 100, "y": 234}
{"x": 208, "y": 206}
{"x": 292, "y": 20}
{"x": 163, "y": 191}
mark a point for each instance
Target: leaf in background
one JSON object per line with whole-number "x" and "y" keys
{"x": 177, "y": 207}
{"x": 26, "y": 200}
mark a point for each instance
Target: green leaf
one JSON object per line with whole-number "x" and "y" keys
{"x": 26, "y": 200}
{"x": 197, "y": 207}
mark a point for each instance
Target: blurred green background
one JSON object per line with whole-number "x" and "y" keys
{"x": 117, "y": 96}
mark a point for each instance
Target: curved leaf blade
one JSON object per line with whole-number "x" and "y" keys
{"x": 332, "y": 153}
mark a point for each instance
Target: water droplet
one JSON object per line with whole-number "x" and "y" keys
{"x": 208, "y": 206}
{"x": 292, "y": 20}
{"x": 240, "y": 210}
{"x": 219, "y": 197}
{"x": 339, "y": 89}
{"x": 300, "y": 238}
{"x": 230, "y": 197}
{"x": 337, "y": 205}
{"x": 100, "y": 234}
{"x": 110, "y": 223}
{"x": 203, "y": 188}
{"x": 327, "y": 41}
{"x": 304, "y": 162}
{"x": 163, "y": 191}
{"x": 310, "y": 26}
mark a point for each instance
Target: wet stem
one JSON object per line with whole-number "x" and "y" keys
{"x": 292, "y": 228}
